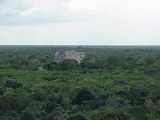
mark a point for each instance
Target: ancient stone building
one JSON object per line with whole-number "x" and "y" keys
{"x": 78, "y": 56}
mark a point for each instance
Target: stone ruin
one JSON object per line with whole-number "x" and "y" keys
{"x": 62, "y": 55}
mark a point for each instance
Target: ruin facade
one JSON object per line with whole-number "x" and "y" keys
{"x": 62, "y": 55}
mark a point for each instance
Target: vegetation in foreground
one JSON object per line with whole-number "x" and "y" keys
{"x": 111, "y": 83}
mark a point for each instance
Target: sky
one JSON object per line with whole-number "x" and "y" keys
{"x": 79, "y": 22}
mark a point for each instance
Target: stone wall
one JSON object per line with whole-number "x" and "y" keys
{"x": 78, "y": 56}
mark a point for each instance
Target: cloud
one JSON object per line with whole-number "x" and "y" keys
{"x": 80, "y": 22}
{"x": 23, "y": 12}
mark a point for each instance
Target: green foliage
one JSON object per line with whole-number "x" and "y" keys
{"x": 77, "y": 117}
{"x": 83, "y": 95}
{"x": 13, "y": 84}
{"x": 40, "y": 96}
{"x": 111, "y": 83}
{"x": 27, "y": 114}
{"x": 68, "y": 64}
{"x": 51, "y": 66}
{"x": 114, "y": 61}
{"x": 13, "y": 101}
{"x": 139, "y": 92}
{"x": 111, "y": 114}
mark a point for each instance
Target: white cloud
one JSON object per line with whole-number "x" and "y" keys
{"x": 53, "y": 11}
{"x": 27, "y": 12}
{"x": 80, "y": 22}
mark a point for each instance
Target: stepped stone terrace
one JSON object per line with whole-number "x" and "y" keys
{"x": 62, "y": 55}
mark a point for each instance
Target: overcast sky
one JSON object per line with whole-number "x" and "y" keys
{"x": 79, "y": 22}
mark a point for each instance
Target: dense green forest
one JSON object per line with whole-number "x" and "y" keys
{"x": 111, "y": 83}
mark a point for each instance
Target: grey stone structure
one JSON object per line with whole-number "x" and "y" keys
{"x": 78, "y": 56}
